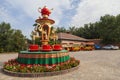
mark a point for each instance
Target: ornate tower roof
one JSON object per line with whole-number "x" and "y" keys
{"x": 45, "y": 12}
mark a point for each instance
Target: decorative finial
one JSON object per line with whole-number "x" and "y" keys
{"x": 45, "y": 12}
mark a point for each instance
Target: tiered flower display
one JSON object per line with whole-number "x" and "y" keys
{"x": 44, "y": 57}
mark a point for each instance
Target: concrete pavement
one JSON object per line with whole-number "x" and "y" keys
{"x": 95, "y": 65}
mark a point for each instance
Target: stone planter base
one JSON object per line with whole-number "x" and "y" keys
{"x": 42, "y": 74}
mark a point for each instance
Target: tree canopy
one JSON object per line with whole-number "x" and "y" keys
{"x": 11, "y": 40}
{"x": 107, "y": 29}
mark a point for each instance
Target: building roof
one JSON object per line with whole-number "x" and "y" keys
{"x": 68, "y": 36}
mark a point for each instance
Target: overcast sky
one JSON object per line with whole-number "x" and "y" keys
{"x": 21, "y": 14}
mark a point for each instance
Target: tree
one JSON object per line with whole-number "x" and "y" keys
{"x": 107, "y": 29}
{"x": 19, "y": 39}
{"x": 61, "y": 29}
{"x": 10, "y": 39}
{"x": 72, "y": 29}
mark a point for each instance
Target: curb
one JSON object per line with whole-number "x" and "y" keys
{"x": 42, "y": 74}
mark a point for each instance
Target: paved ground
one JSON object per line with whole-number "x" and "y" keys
{"x": 95, "y": 65}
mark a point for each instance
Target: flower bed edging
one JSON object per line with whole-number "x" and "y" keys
{"x": 42, "y": 74}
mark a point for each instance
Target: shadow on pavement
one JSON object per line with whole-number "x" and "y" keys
{"x": 1, "y": 68}
{"x": 1, "y": 65}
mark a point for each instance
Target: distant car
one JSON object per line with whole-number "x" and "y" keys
{"x": 110, "y": 47}
{"x": 97, "y": 46}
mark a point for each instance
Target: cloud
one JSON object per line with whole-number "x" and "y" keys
{"x": 23, "y": 13}
{"x": 30, "y": 7}
{"x": 6, "y": 17}
{"x": 16, "y": 20}
{"x": 91, "y": 11}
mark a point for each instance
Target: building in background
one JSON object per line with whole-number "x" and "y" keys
{"x": 69, "y": 40}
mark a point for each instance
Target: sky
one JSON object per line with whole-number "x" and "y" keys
{"x": 21, "y": 14}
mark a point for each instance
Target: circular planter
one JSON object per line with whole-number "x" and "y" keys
{"x": 42, "y": 74}
{"x": 43, "y": 58}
